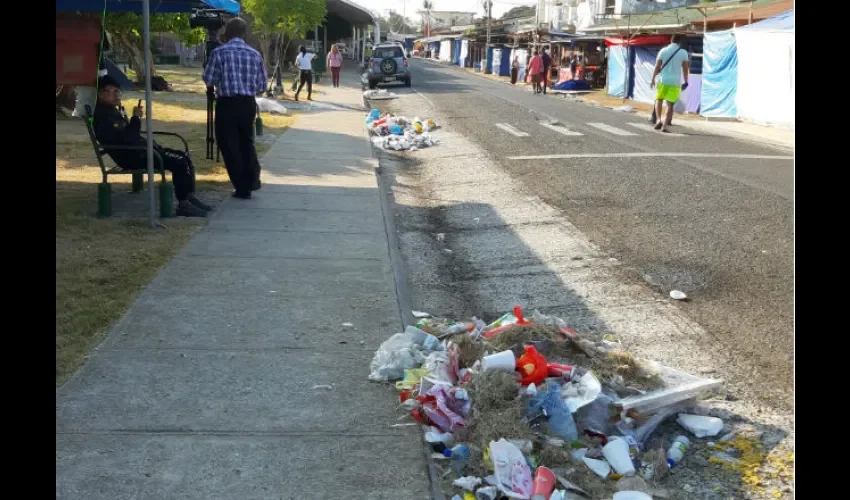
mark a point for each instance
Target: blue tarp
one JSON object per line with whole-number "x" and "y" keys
{"x": 157, "y": 6}
{"x": 643, "y": 67}
{"x": 617, "y": 68}
{"x": 456, "y": 53}
{"x": 572, "y": 85}
{"x": 719, "y": 75}
{"x": 505, "y": 63}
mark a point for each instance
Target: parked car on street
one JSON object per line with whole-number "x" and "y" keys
{"x": 388, "y": 64}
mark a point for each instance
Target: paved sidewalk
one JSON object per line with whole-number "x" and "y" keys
{"x": 206, "y": 389}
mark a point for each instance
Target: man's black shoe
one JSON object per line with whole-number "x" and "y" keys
{"x": 257, "y": 185}
{"x": 198, "y": 203}
{"x": 190, "y": 211}
{"x": 242, "y": 196}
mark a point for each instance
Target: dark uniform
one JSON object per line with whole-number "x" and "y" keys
{"x": 111, "y": 127}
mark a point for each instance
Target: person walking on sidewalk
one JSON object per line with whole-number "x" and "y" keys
{"x": 237, "y": 74}
{"x": 535, "y": 67}
{"x": 335, "y": 64}
{"x": 514, "y": 70}
{"x": 304, "y": 61}
{"x": 672, "y": 64}
{"x": 547, "y": 63}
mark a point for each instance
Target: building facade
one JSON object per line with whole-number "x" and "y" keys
{"x": 574, "y": 15}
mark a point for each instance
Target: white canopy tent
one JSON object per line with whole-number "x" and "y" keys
{"x": 766, "y": 83}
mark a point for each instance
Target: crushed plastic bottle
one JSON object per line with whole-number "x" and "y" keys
{"x": 677, "y": 450}
{"x": 550, "y": 403}
{"x": 459, "y": 456}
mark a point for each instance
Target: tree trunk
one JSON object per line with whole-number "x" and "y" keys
{"x": 134, "y": 52}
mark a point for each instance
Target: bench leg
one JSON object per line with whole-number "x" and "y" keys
{"x": 104, "y": 199}
{"x": 138, "y": 182}
{"x": 166, "y": 200}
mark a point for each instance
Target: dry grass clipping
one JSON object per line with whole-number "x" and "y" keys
{"x": 470, "y": 350}
{"x": 606, "y": 365}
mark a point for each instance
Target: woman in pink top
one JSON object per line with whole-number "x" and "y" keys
{"x": 535, "y": 69}
{"x": 335, "y": 63}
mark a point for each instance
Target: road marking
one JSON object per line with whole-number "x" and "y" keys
{"x": 511, "y": 130}
{"x": 610, "y": 129}
{"x": 651, "y": 128}
{"x": 560, "y": 129}
{"x": 424, "y": 97}
{"x": 657, "y": 154}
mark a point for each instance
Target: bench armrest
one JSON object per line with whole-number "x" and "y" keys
{"x": 171, "y": 134}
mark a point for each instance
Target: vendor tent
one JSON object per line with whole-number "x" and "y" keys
{"x": 719, "y": 75}
{"x": 145, "y": 7}
{"x": 766, "y": 71}
{"x": 618, "y": 71}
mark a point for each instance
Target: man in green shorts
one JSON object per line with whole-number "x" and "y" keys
{"x": 672, "y": 64}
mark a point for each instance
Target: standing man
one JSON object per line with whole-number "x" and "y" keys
{"x": 514, "y": 70}
{"x": 547, "y": 64}
{"x": 672, "y": 64}
{"x": 238, "y": 74}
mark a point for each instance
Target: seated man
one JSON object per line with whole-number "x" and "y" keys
{"x": 112, "y": 128}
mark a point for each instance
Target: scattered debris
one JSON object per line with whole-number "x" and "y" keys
{"x": 678, "y": 295}
{"x": 624, "y": 109}
{"x": 323, "y": 386}
{"x": 525, "y": 398}
{"x": 398, "y": 133}
{"x": 379, "y": 94}
{"x": 272, "y": 106}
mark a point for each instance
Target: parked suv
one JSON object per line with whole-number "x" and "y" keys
{"x": 388, "y": 64}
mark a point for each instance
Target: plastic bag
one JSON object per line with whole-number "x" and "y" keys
{"x": 560, "y": 418}
{"x": 581, "y": 392}
{"x": 271, "y": 106}
{"x": 511, "y": 470}
{"x": 401, "y": 352}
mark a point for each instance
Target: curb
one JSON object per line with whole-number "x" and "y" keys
{"x": 402, "y": 298}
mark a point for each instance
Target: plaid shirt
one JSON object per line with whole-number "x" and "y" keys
{"x": 235, "y": 68}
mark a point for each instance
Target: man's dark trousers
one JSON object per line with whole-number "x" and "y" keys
{"x": 234, "y": 130}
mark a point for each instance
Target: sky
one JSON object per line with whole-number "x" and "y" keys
{"x": 499, "y": 6}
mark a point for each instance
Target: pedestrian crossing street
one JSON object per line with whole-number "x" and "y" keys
{"x": 571, "y": 130}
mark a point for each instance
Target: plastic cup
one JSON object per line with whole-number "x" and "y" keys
{"x": 504, "y": 360}
{"x": 616, "y": 452}
{"x": 544, "y": 483}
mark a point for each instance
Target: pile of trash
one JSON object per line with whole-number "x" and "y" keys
{"x": 273, "y": 106}
{"x": 527, "y": 408}
{"x": 398, "y": 133}
{"x": 379, "y": 94}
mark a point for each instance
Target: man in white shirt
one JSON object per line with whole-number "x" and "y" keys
{"x": 672, "y": 64}
{"x": 304, "y": 61}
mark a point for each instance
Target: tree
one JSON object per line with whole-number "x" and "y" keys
{"x": 399, "y": 24}
{"x": 521, "y": 11}
{"x": 283, "y": 20}
{"x": 125, "y": 29}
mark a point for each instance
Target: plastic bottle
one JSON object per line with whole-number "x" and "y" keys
{"x": 677, "y": 450}
{"x": 560, "y": 418}
{"x": 459, "y": 455}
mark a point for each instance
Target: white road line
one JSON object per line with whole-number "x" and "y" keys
{"x": 511, "y": 130}
{"x": 651, "y": 128}
{"x": 658, "y": 154}
{"x": 424, "y": 97}
{"x": 610, "y": 129}
{"x": 560, "y": 130}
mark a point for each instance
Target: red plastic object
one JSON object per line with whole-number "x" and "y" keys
{"x": 544, "y": 483}
{"x": 567, "y": 332}
{"x": 558, "y": 370}
{"x": 520, "y": 321}
{"x": 532, "y": 366}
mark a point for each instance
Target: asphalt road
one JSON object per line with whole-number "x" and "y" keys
{"x": 709, "y": 215}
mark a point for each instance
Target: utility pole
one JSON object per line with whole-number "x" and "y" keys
{"x": 489, "y": 16}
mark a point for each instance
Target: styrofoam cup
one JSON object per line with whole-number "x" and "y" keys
{"x": 616, "y": 452}
{"x": 631, "y": 495}
{"x": 504, "y": 360}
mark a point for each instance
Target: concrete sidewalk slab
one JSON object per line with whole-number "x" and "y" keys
{"x": 205, "y": 389}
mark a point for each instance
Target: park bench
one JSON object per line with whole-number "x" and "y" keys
{"x": 104, "y": 189}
